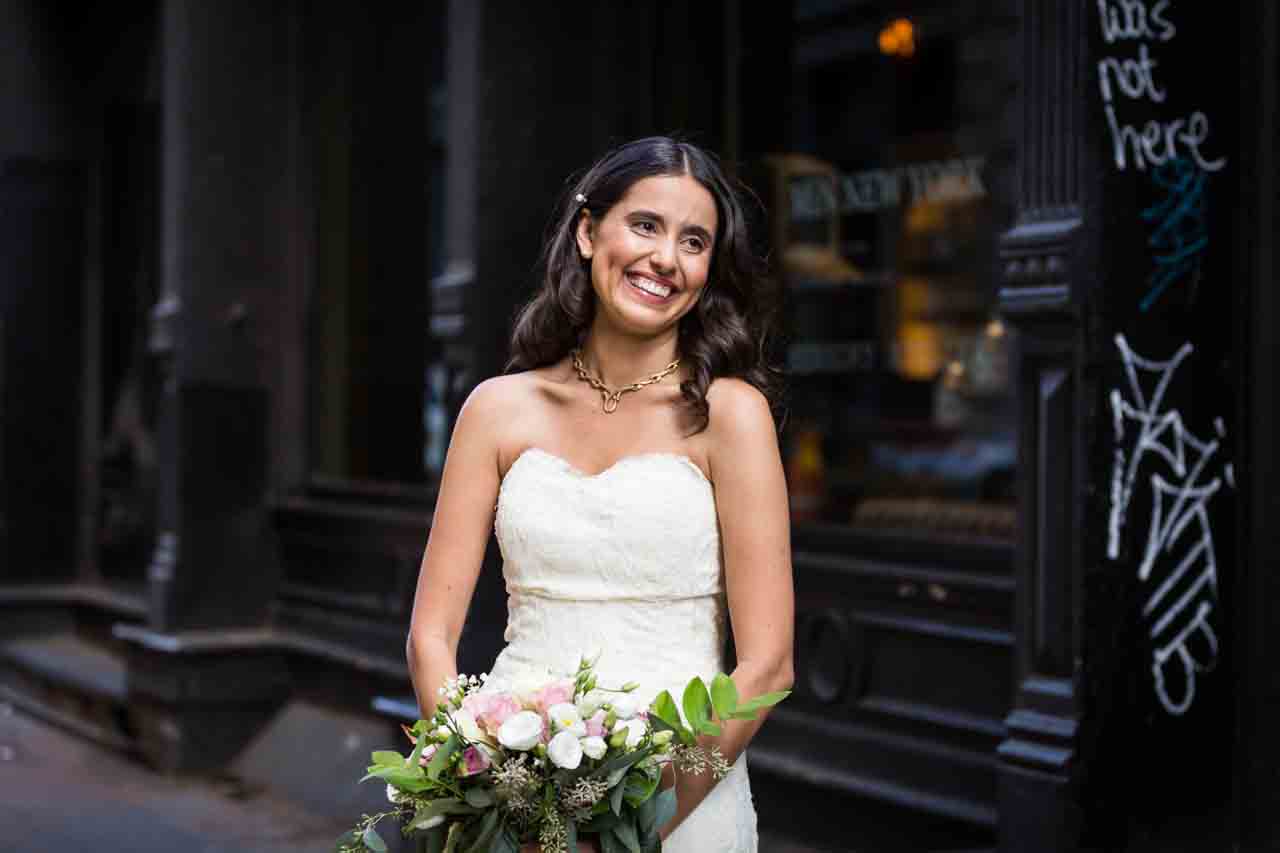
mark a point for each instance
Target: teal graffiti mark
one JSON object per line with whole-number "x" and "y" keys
{"x": 1181, "y": 232}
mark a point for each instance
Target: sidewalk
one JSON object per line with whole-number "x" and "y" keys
{"x": 62, "y": 794}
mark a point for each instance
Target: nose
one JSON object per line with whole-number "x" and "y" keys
{"x": 663, "y": 257}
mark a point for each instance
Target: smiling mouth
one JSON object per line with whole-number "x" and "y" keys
{"x": 649, "y": 286}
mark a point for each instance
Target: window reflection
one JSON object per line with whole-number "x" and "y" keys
{"x": 884, "y": 228}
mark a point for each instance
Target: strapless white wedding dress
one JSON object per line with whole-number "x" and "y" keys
{"x": 625, "y": 563}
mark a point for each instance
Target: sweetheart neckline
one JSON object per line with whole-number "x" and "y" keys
{"x": 578, "y": 472}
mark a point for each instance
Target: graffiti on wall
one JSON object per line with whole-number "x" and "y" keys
{"x": 1180, "y": 227}
{"x": 1179, "y": 562}
{"x": 1134, "y": 79}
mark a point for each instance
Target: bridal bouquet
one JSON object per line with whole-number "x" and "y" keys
{"x": 492, "y": 770}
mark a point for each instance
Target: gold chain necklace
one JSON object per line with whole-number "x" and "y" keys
{"x": 611, "y": 397}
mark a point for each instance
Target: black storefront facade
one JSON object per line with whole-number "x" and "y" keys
{"x": 256, "y": 258}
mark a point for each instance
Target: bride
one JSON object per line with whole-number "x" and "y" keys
{"x": 628, "y": 464}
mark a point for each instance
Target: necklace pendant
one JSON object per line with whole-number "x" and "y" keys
{"x": 611, "y": 402}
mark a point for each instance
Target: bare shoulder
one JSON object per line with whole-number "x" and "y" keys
{"x": 737, "y": 406}
{"x": 494, "y": 404}
{"x": 741, "y": 420}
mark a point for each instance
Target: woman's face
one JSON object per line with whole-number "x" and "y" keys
{"x": 651, "y": 252}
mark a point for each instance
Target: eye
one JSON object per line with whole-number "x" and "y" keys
{"x": 694, "y": 244}
{"x": 645, "y": 226}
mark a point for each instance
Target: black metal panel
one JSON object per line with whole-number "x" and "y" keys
{"x": 902, "y": 677}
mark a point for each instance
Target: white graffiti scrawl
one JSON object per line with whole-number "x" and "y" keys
{"x": 1179, "y": 562}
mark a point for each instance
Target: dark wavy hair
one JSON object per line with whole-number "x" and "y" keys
{"x": 731, "y": 330}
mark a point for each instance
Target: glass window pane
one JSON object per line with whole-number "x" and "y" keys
{"x": 883, "y": 229}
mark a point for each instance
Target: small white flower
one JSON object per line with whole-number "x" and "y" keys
{"x": 625, "y": 705}
{"x": 594, "y": 747}
{"x": 590, "y": 702}
{"x": 635, "y": 731}
{"x": 565, "y": 751}
{"x": 565, "y": 718}
{"x": 443, "y": 733}
{"x": 521, "y": 731}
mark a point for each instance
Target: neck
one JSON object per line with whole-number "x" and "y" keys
{"x": 617, "y": 360}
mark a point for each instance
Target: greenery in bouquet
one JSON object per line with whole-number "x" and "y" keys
{"x": 495, "y": 768}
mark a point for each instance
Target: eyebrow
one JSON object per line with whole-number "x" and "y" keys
{"x": 689, "y": 229}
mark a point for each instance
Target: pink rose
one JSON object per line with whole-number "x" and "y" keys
{"x": 553, "y": 694}
{"x": 595, "y": 725}
{"x": 491, "y": 710}
{"x": 474, "y": 761}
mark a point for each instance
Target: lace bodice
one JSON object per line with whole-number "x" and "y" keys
{"x": 624, "y": 563}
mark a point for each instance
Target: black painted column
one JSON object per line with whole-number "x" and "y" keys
{"x": 202, "y": 676}
{"x": 1043, "y": 293}
{"x": 223, "y": 268}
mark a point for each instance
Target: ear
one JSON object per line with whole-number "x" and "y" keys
{"x": 583, "y": 234}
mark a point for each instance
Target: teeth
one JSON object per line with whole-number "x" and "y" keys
{"x": 649, "y": 286}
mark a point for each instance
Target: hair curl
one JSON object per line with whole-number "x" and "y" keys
{"x": 731, "y": 330}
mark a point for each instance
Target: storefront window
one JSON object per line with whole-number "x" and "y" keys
{"x": 883, "y": 229}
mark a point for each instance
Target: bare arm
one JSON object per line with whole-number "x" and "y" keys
{"x": 460, "y": 528}
{"x": 755, "y": 533}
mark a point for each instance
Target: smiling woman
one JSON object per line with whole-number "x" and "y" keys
{"x": 650, "y": 287}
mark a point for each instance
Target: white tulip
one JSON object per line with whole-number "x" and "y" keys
{"x": 565, "y": 718}
{"x": 521, "y": 731}
{"x": 594, "y": 747}
{"x": 565, "y": 751}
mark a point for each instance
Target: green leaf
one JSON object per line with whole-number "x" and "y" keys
{"x": 615, "y": 797}
{"x": 479, "y": 797}
{"x": 600, "y": 823}
{"x": 435, "y": 839}
{"x": 571, "y": 835}
{"x": 484, "y": 833}
{"x": 609, "y": 843}
{"x": 664, "y": 708}
{"x": 374, "y": 841}
{"x": 442, "y": 806}
{"x": 724, "y": 695}
{"x": 665, "y": 803}
{"x": 697, "y": 704}
{"x": 420, "y": 745}
{"x": 625, "y": 832}
{"x": 504, "y": 842}
{"x": 347, "y": 839}
{"x": 440, "y": 760}
{"x": 388, "y": 758}
{"x": 640, "y": 787}
{"x": 747, "y": 710}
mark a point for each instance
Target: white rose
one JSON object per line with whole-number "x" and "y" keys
{"x": 521, "y": 731}
{"x": 635, "y": 731}
{"x": 565, "y": 718}
{"x": 565, "y": 751}
{"x": 625, "y": 705}
{"x": 594, "y": 747}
